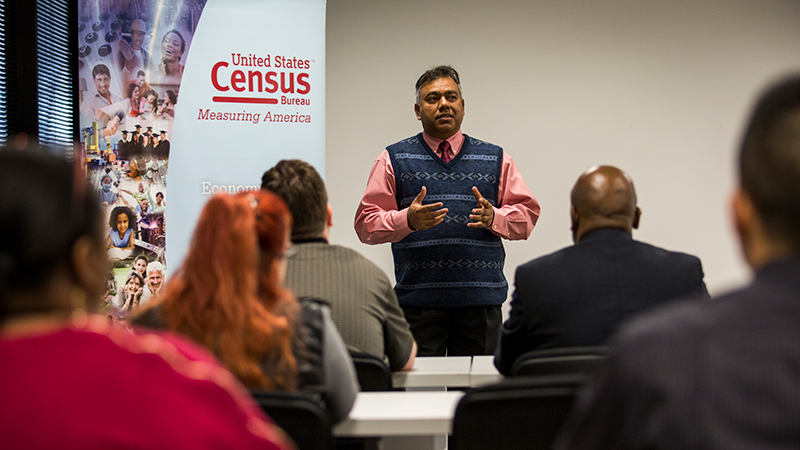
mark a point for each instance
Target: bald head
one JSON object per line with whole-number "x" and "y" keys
{"x": 603, "y": 197}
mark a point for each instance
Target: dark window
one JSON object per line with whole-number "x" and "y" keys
{"x": 38, "y": 66}
{"x": 55, "y": 77}
{"x": 3, "y": 114}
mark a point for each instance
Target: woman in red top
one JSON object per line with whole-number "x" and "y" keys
{"x": 68, "y": 381}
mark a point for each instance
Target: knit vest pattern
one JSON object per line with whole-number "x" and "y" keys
{"x": 450, "y": 265}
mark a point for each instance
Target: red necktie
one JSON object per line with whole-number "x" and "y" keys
{"x": 444, "y": 149}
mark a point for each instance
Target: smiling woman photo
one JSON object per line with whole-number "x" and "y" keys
{"x": 172, "y": 48}
{"x": 129, "y": 296}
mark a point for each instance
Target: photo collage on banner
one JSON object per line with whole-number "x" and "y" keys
{"x": 131, "y": 59}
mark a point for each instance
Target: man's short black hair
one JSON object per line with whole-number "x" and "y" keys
{"x": 302, "y": 188}
{"x": 436, "y": 73}
{"x": 100, "y": 69}
{"x": 769, "y": 160}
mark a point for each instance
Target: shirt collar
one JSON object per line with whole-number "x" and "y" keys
{"x": 456, "y": 141}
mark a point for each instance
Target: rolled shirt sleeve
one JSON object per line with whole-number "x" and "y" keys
{"x": 519, "y": 210}
{"x": 377, "y": 218}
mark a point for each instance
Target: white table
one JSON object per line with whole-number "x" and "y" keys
{"x": 435, "y": 371}
{"x": 483, "y": 371}
{"x": 405, "y": 420}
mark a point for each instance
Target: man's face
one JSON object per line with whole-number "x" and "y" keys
{"x": 101, "y": 82}
{"x": 440, "y": 108}
{"x": 145, "y": 205}
{"x": 154, "y": 281}
{"x": 141, "y": 187}
{"x": 137, "y": 35}
{"x": 140, "y": 80}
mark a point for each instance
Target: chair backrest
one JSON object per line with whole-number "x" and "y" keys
{"x": 522, "y": 412}
{"x": 373, "y": 374}
{"x": 559, "y": 361}
{"x": 301, "y": 415}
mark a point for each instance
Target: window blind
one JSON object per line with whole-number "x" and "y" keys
{"x": 55, "y": 76}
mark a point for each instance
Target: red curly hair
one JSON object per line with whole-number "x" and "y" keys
{"x": 228, "y": 295}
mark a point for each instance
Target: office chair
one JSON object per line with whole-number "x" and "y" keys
{"x": 559, "y": 361}
{"x": 373, "y": 374}
{"x": 525, "y": 412}
{"x": 301, "y": 415}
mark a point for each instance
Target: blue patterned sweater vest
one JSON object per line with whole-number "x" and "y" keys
{"x": 450, "y": 265}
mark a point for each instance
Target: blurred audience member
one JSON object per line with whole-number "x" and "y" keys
{"x": 70, "y": 381}
{"x": 719, "y": 374}
{"x": 365, "y": 308}
{"x": 579, "y": 295}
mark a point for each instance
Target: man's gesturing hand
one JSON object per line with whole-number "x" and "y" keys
{"x": 424, "y": 217}
{"x": 483, "y": 215}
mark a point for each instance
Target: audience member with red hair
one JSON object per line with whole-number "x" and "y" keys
{"x": 229, "y": 297}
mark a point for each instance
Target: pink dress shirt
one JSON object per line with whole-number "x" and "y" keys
{"x": 378, "y": 220}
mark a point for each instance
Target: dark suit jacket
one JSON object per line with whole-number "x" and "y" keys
{"x": 579, "y": 295}
{"x": 723, "y": 374}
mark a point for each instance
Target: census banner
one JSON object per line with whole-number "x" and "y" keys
{"x": 182, "y": 99}
{"x": 253, "y": 93}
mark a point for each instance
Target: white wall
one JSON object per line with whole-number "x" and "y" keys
{"x": 658, "y": 88}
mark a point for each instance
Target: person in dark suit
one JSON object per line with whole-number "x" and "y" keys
{"x": 162, "y": 150}
{"x": 122, "y": 146}
{"x": 579, "y": 295}
{"x": 719, "y": 374}
{"x": 148, "y": 146}
{"x": 136, "y": 146}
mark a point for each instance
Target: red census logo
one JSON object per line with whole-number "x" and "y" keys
{"x": 254, "y": 76}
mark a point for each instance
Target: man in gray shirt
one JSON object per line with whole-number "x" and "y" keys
{"x": 363, "y": 304}
{"x": 103, "y": 97}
